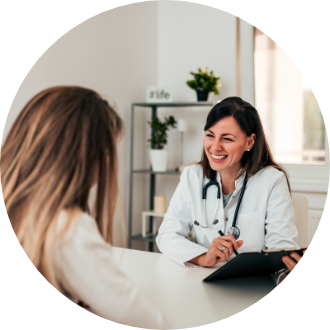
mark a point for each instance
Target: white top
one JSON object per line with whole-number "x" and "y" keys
{"x": 265, "y": 219}
{"x": 86, "y": 270}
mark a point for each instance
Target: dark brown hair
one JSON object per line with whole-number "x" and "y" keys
{"x": 249, "y": 121}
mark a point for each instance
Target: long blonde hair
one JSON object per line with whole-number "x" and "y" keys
{"x": 63, "y": 139}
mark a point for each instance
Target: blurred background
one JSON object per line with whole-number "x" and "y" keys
{"x": 121, "y": 52}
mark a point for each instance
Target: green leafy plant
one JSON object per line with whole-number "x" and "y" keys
{"x": 159, "y": 138}
{"x": 204, "y": 80}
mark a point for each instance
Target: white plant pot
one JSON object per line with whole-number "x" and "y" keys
{"x": 158, "y": 160}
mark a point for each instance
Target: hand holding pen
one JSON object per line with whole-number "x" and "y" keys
{"x": 222, "y": 234}
{"x": 221, "y": 248}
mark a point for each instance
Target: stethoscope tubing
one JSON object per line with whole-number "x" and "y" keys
{"x": 213, "y": 221}
{"x": 213, "y": 218}
{"x": 239, "y": 202}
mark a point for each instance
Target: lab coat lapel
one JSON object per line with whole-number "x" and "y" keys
{"x": 240, "y": 180}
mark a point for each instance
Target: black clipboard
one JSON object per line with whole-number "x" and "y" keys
{"x": 265, "y": 262}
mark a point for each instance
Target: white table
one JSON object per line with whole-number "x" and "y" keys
{"x": 181, "y": 295}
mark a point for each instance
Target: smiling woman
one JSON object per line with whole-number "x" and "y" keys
{"x": 224, "y": 146}
{"x": 241, "y": 130}
{"x": 237, "y": 159}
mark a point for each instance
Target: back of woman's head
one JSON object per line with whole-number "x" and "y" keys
{"x": 63, "y": 140}
{"x": 249, "y": 121}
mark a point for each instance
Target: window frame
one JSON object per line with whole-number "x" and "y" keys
{"x": 309, "y": 178}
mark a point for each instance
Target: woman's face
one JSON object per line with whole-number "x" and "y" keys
{"x": 225, "y": 144}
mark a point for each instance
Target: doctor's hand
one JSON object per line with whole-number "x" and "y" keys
{"x": 221, "y": 249}
{"x": 292, "y": 260}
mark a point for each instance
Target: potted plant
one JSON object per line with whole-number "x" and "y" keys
{"x": 158, "y": 155}
{"x": 203, "y": 83}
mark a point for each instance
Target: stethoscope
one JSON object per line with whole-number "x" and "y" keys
{"x": 233, "y": 230}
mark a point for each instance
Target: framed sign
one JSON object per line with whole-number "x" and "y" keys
{"x": 158, "y": 94}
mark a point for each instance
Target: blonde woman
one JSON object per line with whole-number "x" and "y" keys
{"x": 62, "y": 144}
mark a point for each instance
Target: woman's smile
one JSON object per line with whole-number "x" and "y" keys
{"x": 225, "y": 144}
{"x": 218, "y": 158}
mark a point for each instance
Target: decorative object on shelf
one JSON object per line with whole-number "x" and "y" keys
{"x": 158, "y": 160}
{"x": 152, "y": 215}
{"x": 202, "y": 94}
{"x": 159, "y": 156}
{"x": 159, "y": 204}
{"x": 182, "y": 127}
{"x": 203, "y": 83}
{"x": 181, "y": 168}
{"x": 158, "y": 94}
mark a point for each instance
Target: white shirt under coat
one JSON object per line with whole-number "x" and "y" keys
{"x": 86, "y": 271}
{"x": 265, "y": 219}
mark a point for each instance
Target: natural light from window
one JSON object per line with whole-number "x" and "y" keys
{"x": 289, "y": 111}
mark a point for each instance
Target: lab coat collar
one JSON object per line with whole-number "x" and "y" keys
{"x": 238, "y": 182}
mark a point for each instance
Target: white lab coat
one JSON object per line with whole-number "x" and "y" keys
{"x": 265, "y": 219}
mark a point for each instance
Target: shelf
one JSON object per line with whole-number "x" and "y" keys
{"x": 152, "y": 174}
{"x": 150, "y": 238}
{"x": 169, "y": 172}
{"x": 176, "y": 104}
{"x": 153, "y": 214}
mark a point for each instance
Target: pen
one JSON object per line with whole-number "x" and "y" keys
{"x": 222, "y": 234}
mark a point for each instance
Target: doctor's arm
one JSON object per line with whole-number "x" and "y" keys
{"x": 173, "y": 238}
{"x": 215, "y": 254}
{"x": 280, "y": 229}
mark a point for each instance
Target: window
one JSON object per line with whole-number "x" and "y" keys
{"x": 289, "y": 111}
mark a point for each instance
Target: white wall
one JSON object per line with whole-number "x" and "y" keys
{"x": 192, "y": 36}
{"x": 114, "y": 53}
{"x": 119, "y": 53}
{"x": 122, "y": 51}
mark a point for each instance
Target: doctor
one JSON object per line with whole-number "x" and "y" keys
{"x": 236, "y": 175}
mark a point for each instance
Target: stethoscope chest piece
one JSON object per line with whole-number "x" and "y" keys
{"x": 234, "y": 231}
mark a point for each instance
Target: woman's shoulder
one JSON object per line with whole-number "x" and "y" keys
{"x": 74, "y": 216}
{"x": 269, "y": 174}
{"x": 76, "y": 220}
{"x": 193, "y": 170}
